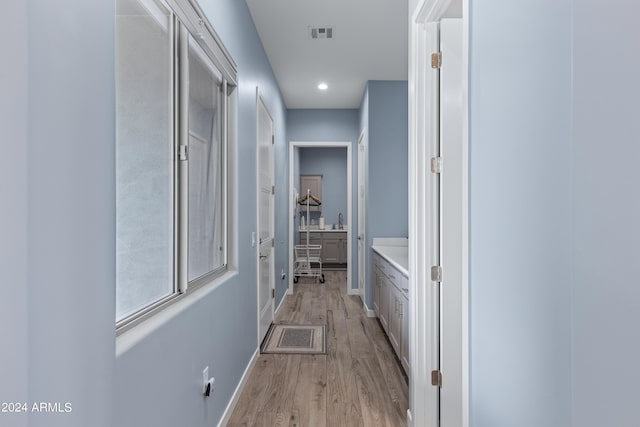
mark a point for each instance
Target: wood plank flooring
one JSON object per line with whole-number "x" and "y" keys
{"x": 357, "y": 383}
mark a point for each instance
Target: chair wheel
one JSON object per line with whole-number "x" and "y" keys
{"x": 322, "y": 279}
{"x": 295, "y": 279}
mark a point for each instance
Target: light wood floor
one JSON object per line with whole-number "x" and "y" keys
{"x": 358, "y": 383}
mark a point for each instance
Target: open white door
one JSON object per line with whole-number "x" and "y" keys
{"x": 424, "y": 230}
{"x": 452, "y": 199}
{"x": 361, "y": 215}
{"x": 266, "y": 279}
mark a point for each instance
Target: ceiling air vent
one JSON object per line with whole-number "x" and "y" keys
{"x": 321, "y": 32}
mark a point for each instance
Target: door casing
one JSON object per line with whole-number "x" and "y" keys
{"x": 267, "y": 246}
{"x": 292, "y": 222}
{"x": 362, "y": 236}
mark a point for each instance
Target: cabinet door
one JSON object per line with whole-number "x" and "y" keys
{"x": 330, "y": 249}
{"x": 384, "y": 302}
{"x": 395, "y": 325}
{"x": 343, "y": 249}
{"x": 376, "y": 292}
{"x": 404, "y": 336}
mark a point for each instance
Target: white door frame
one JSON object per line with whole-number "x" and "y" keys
{"x": 320, "y": 144}
{"x": 362, "y": 235}
{"x": 260, "y": 101}
{"x": 421, "y": 406}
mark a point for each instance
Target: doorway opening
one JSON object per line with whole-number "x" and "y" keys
{"x": 335, "y": 251}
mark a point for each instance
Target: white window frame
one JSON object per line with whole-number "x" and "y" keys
{"x": 189, "y": 19}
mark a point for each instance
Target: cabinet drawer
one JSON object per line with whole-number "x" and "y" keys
{"x": 313, "y": 239}
{"x": 402, "y": 283}
{"x": 381, "y": 264}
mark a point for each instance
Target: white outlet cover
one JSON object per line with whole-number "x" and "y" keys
{"x": 205, "y": 379}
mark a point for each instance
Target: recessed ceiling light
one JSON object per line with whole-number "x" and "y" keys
{"x": 323, "y": 86}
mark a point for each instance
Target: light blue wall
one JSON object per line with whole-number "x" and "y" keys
{"x": 384, "y": 117}
{"x": 606, "y": 292}
{"x": 322, "y": 125}
{"x": 68, "y": 164}
{"x": 331, "y": 163}
{"x": 158, "y": 380}
{"x": 520, "y": 213}
{"x": 13, "y": 198}
{"x": 339, "y": 125}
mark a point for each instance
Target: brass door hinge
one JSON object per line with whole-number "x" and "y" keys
{"x": 436, "y": 164}
{"x": 436, "y": 378}
{"x": 273, "y": 189}
{"x": 436, "y": 273}
{"x": 436, "y": 60}
{"x": 273, "y": 293}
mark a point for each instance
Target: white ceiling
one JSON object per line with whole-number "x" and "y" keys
{"x": 370, "y": 42}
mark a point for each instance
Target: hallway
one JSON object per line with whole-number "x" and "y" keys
{"x": 358, "y": 383}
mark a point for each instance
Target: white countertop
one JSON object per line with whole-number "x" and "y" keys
{"x": 326, "y": 230}
{"x": 395, "y": 251}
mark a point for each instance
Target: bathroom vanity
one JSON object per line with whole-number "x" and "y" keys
{"x": 391, "y": 293}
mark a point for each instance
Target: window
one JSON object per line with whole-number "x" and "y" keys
{"x": 174, "y": 81}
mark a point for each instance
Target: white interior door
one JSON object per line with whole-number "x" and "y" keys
{"x": 361, "y": 215}
{"x": 433, "y": 31}
{"x": 438, "y": 221}
{"x": 424, "y": 230}
{"x": 266, "y": 279}
{"x": 451, "y": 124}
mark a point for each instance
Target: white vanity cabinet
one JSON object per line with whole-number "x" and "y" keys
{"x": 391, "y": 305}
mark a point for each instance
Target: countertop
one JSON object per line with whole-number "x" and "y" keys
{"x": 395, "y": 251}
{"x": 326, "y": 230}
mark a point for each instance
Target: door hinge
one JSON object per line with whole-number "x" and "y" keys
{"x": 436, "y": 273}
{"x": 183, "y": 152}
{"x": 273, "y": 243}
{"x": 273, "y": 293}
{"x": 436, "y": 378}
{"x": 436, "y": 164}
{"x": 273, "y": 139}
{"x": 436, "y": 60}
{"x": 273, "y": 189}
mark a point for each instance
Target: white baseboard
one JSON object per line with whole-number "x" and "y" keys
{"x": 353, "y": 291}
{"x": 275, "y": 314}
{"x": 226, "y": 416}
{"x": 409, "y": 418}
{"x": 367, "y": 310}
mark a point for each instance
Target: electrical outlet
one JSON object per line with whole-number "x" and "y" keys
{"x": 284, "y": 275}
